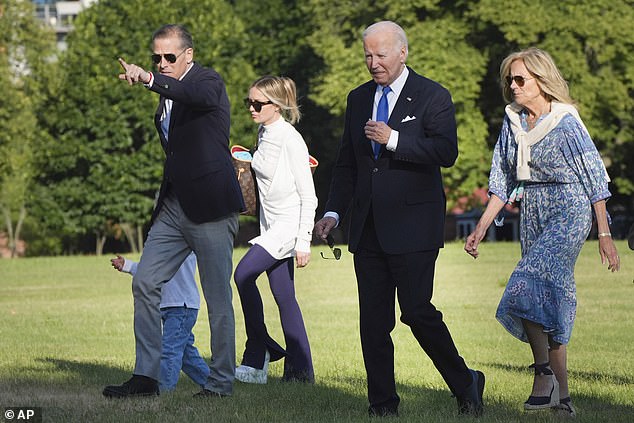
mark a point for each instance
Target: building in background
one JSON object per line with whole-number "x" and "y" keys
{"x": 60, "y": 15}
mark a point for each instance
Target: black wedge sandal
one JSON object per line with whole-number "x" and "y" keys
{"x": 539, "y": 403}
{"x": 565, "y": 408}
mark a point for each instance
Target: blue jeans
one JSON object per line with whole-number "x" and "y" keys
{"x": 179, "y": 351}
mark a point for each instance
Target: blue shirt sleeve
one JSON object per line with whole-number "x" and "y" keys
{"x": 502, "y": 179}
{"x": 583, "y": 158}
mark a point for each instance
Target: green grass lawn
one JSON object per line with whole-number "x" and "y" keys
{"x": 66, "y": 331}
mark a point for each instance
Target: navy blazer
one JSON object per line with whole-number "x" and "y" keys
{"x": 198, "y": 164}
{"x": 403, "y": 188}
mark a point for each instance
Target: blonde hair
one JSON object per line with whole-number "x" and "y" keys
{"x": 542, "y": 67}
{"x": 282, "y": 92}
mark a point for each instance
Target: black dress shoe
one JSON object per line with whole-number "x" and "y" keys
{"x": 136, "y": 386}
{"x": 206, "y": 393}
{"x": 470, "y": 402}
{"x": 382, "y": 411}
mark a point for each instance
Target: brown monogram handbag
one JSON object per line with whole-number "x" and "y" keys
{"x": 241, "y": 158}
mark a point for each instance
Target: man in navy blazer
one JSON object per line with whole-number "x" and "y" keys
{"x": 390, "y": 168}
{"x": 197, "y": 209}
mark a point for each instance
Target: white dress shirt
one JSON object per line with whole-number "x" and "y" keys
{"x": 392, "y": 98}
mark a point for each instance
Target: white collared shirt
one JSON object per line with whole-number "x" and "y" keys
{"x": 392, "y": 98}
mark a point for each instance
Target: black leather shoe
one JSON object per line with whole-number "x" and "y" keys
{"x": 470, "y": 402}
{"x": 136, "y": 386}
{"x": 383, "y": 411}
{"x": 206, "y": 393}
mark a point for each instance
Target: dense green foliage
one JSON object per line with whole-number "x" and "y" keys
{"x": 109, "y": 167}
{"x": 67, "y": 331}
{"x": 438, "y": 49}
{"x": 593, "y": 44}
{"x": 26, "y": 52}
{"x": 97, "y": 162}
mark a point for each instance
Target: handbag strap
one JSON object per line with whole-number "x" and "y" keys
{"x": 257, "y": 140}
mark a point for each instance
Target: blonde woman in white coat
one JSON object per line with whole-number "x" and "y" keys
{"x": 287, "y": 210}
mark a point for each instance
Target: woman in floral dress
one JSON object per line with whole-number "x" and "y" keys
{"x": 545, "y": 157}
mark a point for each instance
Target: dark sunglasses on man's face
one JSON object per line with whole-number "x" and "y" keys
{"x": 257, "y": 105}
{"x": 519, "y": 80}
{"x": 335, "y": 251}
{"x": 170, "y": 57}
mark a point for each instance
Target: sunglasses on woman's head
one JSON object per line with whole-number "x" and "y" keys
{"x": 257, "y": 105}
{"x": 519, "y": 80}
{"x": 170, "y": 57}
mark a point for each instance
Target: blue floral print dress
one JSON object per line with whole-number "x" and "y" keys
{"x": 567, "y": 177}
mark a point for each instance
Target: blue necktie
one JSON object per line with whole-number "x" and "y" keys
{"x": 165, "y": 117}
{"x": 382, "y": 115}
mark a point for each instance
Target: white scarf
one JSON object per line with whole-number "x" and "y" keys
{"x": 525, "y": 139}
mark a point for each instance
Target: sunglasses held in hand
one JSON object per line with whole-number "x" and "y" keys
{"x": 170, "y": 57}
{"x": 335, "y": 251}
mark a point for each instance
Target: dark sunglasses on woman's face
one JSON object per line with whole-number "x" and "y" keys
{"x": 170, "y": 57}
{"x": 335, "y": 251}
{"x": 519, "y": 80}
{"x": 257, "y": 105}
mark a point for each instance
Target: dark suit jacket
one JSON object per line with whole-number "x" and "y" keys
{"x": 403, "y": 188}
{"x": 198, "y": 164}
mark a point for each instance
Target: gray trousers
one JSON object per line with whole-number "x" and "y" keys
{"x": 170, "y": 240}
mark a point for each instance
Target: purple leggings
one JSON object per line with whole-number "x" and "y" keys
{"x": 298, "y": 362}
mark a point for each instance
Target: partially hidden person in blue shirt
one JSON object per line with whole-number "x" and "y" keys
{"x": 180, "y": 302}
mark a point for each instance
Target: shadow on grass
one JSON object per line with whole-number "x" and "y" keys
{"x": 90, "y": 372}
{"x": 337, "y": 398}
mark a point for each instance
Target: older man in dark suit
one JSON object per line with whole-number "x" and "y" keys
{"x": 399, "y": 130}
{"x": 197, "y": 209}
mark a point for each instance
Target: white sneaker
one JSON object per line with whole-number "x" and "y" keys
{"x": 248, "y": 374}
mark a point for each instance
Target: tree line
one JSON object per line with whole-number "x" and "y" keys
{"x": 79, "y": 157}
